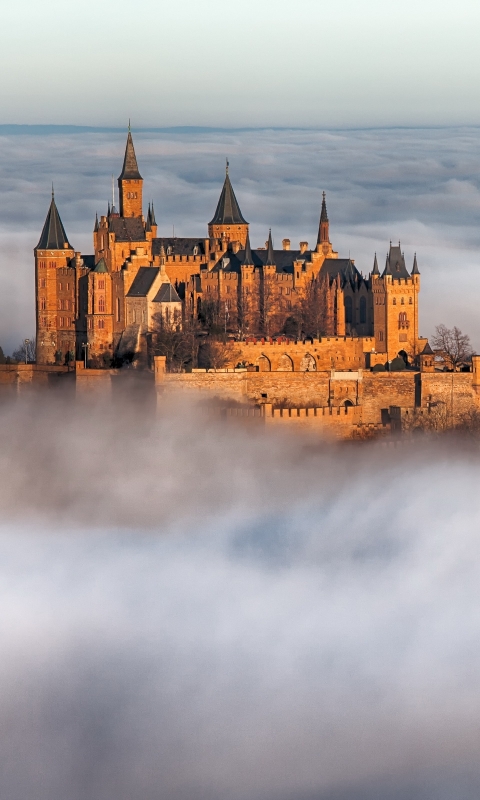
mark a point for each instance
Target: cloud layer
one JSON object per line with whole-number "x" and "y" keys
{"x": 198, "y": 611}
{"x": 420, "y": 186}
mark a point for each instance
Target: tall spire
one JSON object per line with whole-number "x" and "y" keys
{"x": 148, "y": 226}
{"x": 96, "y": 224}
{"x": 130, "y": 170}
{"x": 415, "y": 270}
{"x": 53, "y": 236}
{"x": 270, "y": 262}
{"x": 247, "y": 257}
{"x": 152, "y": 214}
{"x": 375, "y": 270}
{"x": 324, "y": 226}
{"x": 228, "y": 211}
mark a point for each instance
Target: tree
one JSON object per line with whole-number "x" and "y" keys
{"x": 26, "y": 351}
{"x": 217, "y": 354}
{"x": 178, "y": 343}
{"x": 453, "y": 345}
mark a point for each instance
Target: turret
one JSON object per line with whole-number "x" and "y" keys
{"x": 324, "y": 226}
{"x": 130, "y": 183}
{"x": 228, "y": 222}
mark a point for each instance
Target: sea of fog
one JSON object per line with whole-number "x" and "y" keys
{"x": 194, "y": 611}
{"x": 420, "y": 186}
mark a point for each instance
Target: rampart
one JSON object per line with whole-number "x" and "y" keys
{"x": 287, "y": 355}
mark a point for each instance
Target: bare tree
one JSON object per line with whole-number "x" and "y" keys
{"x": 217, "y": 354}
{"x": 26, "y": 351}
{"x": 453, "y": 345}
{"x": 179, "y": 344}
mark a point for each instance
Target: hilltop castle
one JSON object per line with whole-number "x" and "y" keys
{"x": 108, "y": 303}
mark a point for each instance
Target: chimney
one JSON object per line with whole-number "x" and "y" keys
{"x": 286, "y": 244}
{"x": 303, "y": 247}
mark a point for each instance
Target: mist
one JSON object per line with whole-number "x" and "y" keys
{"x": 420, "y": 186}
{"x": 192, "y": 609}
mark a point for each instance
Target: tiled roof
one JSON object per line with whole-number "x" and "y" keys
{"x": 166, "y": 294}
{"x": 127, "y": 229}
{"x": 143, "y": 281}
{"x": 228, "y": 211}
{"x": 53, "y": 236}
{"x": 179, "y": 246}
{"x": 130, "y": 167}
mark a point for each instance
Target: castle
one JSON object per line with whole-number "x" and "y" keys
{"x": 103, "y": 307}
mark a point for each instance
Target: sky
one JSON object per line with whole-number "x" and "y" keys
{"x": 308, "y": 62}
{"x": 419, "y": 186}
{"x": 231, "y": 614}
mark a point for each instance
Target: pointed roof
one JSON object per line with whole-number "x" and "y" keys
{"x": 395, "y": 263}
{"x": 130, "y": 167}
{"x": 427, "y": 350}
{"x": 228, "y": 211}
{"x": 148, "y": 226}
{"x": 101, "y": 266}
{"x": 167, "y": 294}
{"x": 375, "y": 270}
{"x": 415, "y": 270}
{"x": 96, "y": 224}
{"x": 270, "y": 262}
{"x": 53, "y": 236}
{"x": 247, "y": 258}
{"x": 153, "y": 221}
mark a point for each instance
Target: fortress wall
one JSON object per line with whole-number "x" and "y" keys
{"x": 380, "y": 390}
{"x": 454, "y": 389}
{"x": 330, "y": 352}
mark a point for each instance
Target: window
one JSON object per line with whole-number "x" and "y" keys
{"x": 90, "y": 323}
{"x": 394, "y": 301}
{"x": 101, "y": 284}
{"x": 59, "y": 287}
{"x": 118, "y": 309}
{"x": 51, "y": 264}
{"x": 380, "y": 336}
{"x": 101, "y": 323}
{"x": 68, "y": 287}
{"x": 402, "y": 320}
{"x": 348, "y": 310}
{"x": 195, "y": 251}
{"x": 43, "y": 283}
{"x": 101, "y": 305}
{"x": 363, "y": 310}
{"x": 44, "y": 322}
{"x": 43, "y": 303}
{"x": 402, "y": 301}
{"x": 410, "y": 301}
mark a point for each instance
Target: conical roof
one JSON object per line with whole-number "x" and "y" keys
{"x": 247, "y": 257}
{"x": 130, "y": 167}
{"x": 228, "y": 211}
{"x": 101, "y": 266}
{"x": 415, "y": 270}
{"x": 270, "y": 262}
{"x": 395, "y": 263}
{"x": 375, "y": 270}
{"x": 427, "y": 350}
{"x": 53, "y": 235}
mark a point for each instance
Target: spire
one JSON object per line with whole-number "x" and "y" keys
{"x": 375, "y": 270}
{"x": 148, "y": 226}
{"x": 108, "y": 209}
{"x": 228, "y": 211}
{"x": 130, "y": 167}
{"x": 323, "y": 213}
{"x": 270, "y": 262}
{"x": 324, "y": 226}
{"x": 152, "y": 214}
{"x": 415, "y": 270}
{"x": 395, "y": 263}
{"x": 96, "y": 224}
{"x": 247, "y": 257}
{"x": 53, "y": 235}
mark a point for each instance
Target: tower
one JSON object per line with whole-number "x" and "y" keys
{"x": 55, "y": 290}
{"x": 395, "y": 306}
{"x": 130, "y": 183}
{"x": 228, "y": 223}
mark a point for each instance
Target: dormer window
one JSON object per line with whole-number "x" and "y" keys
{"x": 195, "y": 251}
{"x": 169, "y": 251}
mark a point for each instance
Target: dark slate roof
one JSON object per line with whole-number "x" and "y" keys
{"x": 395, "y": 264}
{"x": 127, "y": 229}
{"x": 270, "y": 262}
{"x": 166, "y": 294}
{"x": 247, "y": 253}
{"x": 179, "y": 247}
{"x": 343, "y": 267}
{"x": 375, "y": 270}
{"x": 143, "y": 281}
{"x": 130, "y": 167}
{"x": 415, "y": 270}
{"x": 323, "y": 213}
{"x": 228, "y": 211}
{"x": 283, "y": 260}
{"x": 427, "y": 350}
{"x": 101, "y": 266}
{"x": 53, "y": 235}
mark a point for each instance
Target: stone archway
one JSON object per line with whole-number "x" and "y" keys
{"x": 285, "y": 364}
{"x": 308, "y": 363}
{"x": 263, "y": 364}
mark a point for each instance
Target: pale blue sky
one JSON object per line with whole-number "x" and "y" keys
{"x": 261, "y": 62}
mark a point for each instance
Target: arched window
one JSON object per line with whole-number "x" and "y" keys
{"x": 101, "y": 305}
{"x": 348, "y": 310}
{"x": 402, "y": 301}
{"x": 394, "y": 301}
{"x": 101, "y": 284}
{"x": 363, "y": 310}
{"x": 410, "y": 301}
{"x": 101, "y": 323}
{"x": 263, "y": 364}
{"x": 402, "y": 320}
{"x": 285, "y": 364}
{"x": 308, "y": 363}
